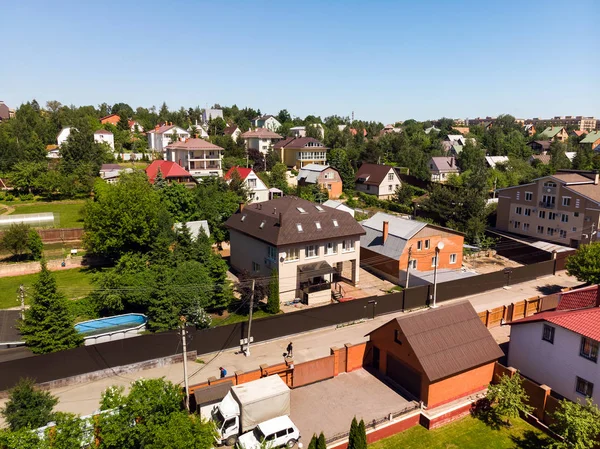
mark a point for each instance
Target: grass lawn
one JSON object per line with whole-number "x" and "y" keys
{"x": 468, "y": 433}
{"x": 75, "y": 283}
{"x": 66, "y": 213}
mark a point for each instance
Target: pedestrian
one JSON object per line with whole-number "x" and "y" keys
{"x": 290, "y": 350}
{"x": 223, "y": 372}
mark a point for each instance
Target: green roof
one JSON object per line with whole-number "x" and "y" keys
{"x": 551, "y": 131}
{"x": 591, "y": 137}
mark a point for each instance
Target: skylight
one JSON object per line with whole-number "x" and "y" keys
{"x": 301, "y": 210}
{"x": 319, "y": 208}
{"x": 318, "y": 225}
{"x": 299, "y": 227}
{"x": 243, "y": 217}
{"x": 262, "y": 224}
{"x": 335, "y": 223}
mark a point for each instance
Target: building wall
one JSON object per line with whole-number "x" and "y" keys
{"x": 453, "y": 244}
{"x": 382, "y": 265}
{"x": 458, "y": 386}
{"x": 105, "y": 138}
{"x": 383, "y": 338}
{"x": 368, "y": 189}
{"x": 63, "y": 136}
{"x": 510, "y": 199}
{"x": 557, "y": 365}
{"x": 245, "y": 250}
{"x": 260, "y": 192}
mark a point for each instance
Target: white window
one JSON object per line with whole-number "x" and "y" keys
{"x": 540, "y": 229}
{"x": 542, "y": 214}
{"x": 564, "y": 218}
{"x": 252, "y": 183}
{"x": 390, "y": 188}
{"x": 390, "y": 176}
{"x": 413, "y": 264}
{"x": 331, "y": 248}
{"x": 525, "y": 226}
{"x": 577, "y": 202}
{"x": 301, "y": 210}
{"x": 335, "y": 223}
{"x": 527, "y": 212}
{"x": 518, "y": 195}
{"x": 419, "y": 245}
{"x": 552, "y": 215}
{"x": 549, "y": 200}
{"x": 427, "y": 244}
{"x": 528, "y": 196}
{"x": 566, "y": 200}
{"x": 292, "y": 254}
{"x": 563, "y": 234}
{"x": 550, "y": 231}
{"x": 434, "y": 261}
{"x": 519, "y": 210}
{"x": 318, "y": 225}
{"x": 517, "y": 224}
{"x": 299, "y": 227}
{"x": 255, "y": 267}
{"x": 312, "y": 251}
{"x": 347, "y": 246}
{"x": 319, "y": 208}
{"x": 452, "y": 258}
{"x": 549, "y": 184}
{"x": 272, "y": 252}
{"x": 584, "y": 387}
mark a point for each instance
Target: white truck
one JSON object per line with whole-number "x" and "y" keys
{"x": 249, "y": 404}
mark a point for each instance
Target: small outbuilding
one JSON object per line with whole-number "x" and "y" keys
{"x": 437, "y": 355}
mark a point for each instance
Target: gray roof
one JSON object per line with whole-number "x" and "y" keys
{"x": 310, "y": 173}
{"x": 194, "y": 227}
{"x": 493, "y": 160}
{"x": 399, "y": 232}
{"x": 445, "y": 164}
{"x": 339, "y": 206}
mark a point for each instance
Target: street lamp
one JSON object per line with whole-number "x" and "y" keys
{"x": 438, "y": 248}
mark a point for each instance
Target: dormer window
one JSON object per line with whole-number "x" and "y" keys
{"x": 319, "y": 208}
{"x": 243, "y": 217}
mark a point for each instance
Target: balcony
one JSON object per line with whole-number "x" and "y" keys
{"x": 547, "y": 205}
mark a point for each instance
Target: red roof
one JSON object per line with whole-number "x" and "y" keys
{"x": 168, "y": 169}
{"x": 243, "y": 172}
{"x": 354, "y": 132}
{"x": 580, "y": 299}
{"x": 112, "y": 118}
{"x": 103, "y": 131}
{"x": 585, "y": 322}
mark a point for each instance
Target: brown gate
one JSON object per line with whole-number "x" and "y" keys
{"x": 404, "y": 375}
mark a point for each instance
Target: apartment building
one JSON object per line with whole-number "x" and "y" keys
{"x": 563, "y": 208}
{"x": 582, "y": 123}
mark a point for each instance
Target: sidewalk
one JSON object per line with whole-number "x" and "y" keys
{"x": 83, "y": 398}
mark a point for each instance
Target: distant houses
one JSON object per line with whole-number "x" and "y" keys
{"x": 161, "y": 136}
{"x": 376, "y": 179}
{"x": 440, "y": 168}
{"x": 106, "y": 137}
{"x": 259, "y": 191}
{"x": 211, "y": 114}
{"x": 555, "y": 133}
{"x": 301, "y": 151}
{"x": 592, "y": 139}
{"x": 324, "y": 176}
{"x": 268, "y": 122}
{"x": 261, "y": 139}
{"x": 233, "y": 131}
{"x": 170, "y": 171}
{"x": 199, "y": 157}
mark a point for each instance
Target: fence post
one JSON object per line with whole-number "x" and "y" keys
{"x": 541, "y": 412}
{"x": 554, "y": 259}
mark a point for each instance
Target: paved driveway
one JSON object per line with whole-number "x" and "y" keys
{"x": 330, "y": 405}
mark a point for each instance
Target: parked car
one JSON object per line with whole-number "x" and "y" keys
{"x": 276, "y": 432}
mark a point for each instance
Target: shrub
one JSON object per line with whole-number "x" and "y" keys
{"x": 35, "y": 244}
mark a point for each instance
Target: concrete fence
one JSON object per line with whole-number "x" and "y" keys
{"x": 18, "y": 269}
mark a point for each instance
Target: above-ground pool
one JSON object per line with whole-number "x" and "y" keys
{"x": 112, "y": 328}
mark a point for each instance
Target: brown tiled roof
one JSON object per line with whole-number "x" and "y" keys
{"x": 260, "y": 133}
{"x": 591, "y": 191}
{"x": 298, "y": 143}
{"x": 103, "y": 131}
{"x": 372, "y": 174}
{"x": 571, "y": 177}
{"x": 545, "y": 144}
{"x": 262, "y": 221}
{"x": 543, "y": 158}
{"x": 193, "y": 144}
{"x": 449, "y": 340}
{"x": 229, "y": 130}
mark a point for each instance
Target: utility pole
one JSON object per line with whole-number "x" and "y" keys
{"x": 185, "y": 373}
{"x": 494, "y": 193}
{"x": 592, "y": 232}
{"x": 408, "y": 267}
{"x": 250, "y": 321}
{"x": 22, "y": 300}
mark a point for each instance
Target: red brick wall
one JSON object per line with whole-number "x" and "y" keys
{"x": 446, "y": 418}
{"x": 355, "y": 355}
{"x": 459, "y": 386}
{"x": 453, "y": 244}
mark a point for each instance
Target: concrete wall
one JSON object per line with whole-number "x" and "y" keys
{"x": 18, "y": 269}
{"x": 557, "y": 365}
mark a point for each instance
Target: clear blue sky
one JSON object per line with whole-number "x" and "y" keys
{"x": 385, "y": 60}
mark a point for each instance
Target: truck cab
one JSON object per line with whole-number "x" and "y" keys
{"x": 226, "y": 416}
{"x": 276, "y": 432}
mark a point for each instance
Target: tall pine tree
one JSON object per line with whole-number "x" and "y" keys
{"x": 353, "y": 436}
{"x": 361, "y": 436}
{"x": 48, "y": 325}
{"x": 321, "y": 444}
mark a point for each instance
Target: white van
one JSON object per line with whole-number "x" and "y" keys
{"x": 276, "y": 432}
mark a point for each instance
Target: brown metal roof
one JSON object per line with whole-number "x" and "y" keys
{"x": 372, "y": 174}
{"x": 299, "y": 143}
{"x": 289, "y": 220}
{"x": 194, "y": 144}
{"x": 449, "y": 340}
{"x": 260, "y": 133}
{"x": 212, "y": 393}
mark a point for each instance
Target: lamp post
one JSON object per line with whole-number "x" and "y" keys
{"x": 438, "y": 248}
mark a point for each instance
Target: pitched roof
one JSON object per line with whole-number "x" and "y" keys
{"x": 168, "y": 169}
{"x": 289, "y": 220}
{"x": 591, "y": 191}
{"x": 445, "y": 164}
{"x": 260, "y": 133}
{"x": 571, "y": 178}
{"x": 551, "y": 131}
{"x": 103, "y": 131}
{"x": 194, "y": 144}
{"x": 543, "y": 158}
{"x": 229, "y": 130}
{"x": 339, "y": 206}
{"x": 585, "y": 322}
{"x": 579, "y": 132}
{"x": 299, "y": 143}
{"x": 448, "y": 340}
{"x": 310, "y": 173}
{"x": 580, "y": 298}
{"x": 545, "y": 144}
{"x": 107, "y": 118}
{"x": 400, "y": 230}
{"x": 106, "y": 167}
{"x": 591, "y": 137}
{"x": 372, "y": 174}
{"x": 243, "y": 172}
{"x": 493, "y": 160}
{"x": 266, "y": 117}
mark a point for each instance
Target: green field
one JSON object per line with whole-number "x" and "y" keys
{"x": 468, "y": 433}
{"x": 75, "y": 283}
{"x": 67, "y": 214}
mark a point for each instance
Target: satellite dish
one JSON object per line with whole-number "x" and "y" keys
{"x": 440, "y": 245}
{"x": 283, "y": 256}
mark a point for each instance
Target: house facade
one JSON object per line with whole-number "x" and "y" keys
{"x": 560, "y": 348}
{"x": 5, "y": 112}
{"x": 198, "y": 156}
{"x": 211, "y": 114}
{"x": 301, "y": 151}
{"x": 555, "y": 133}
{"x": 311, "y": 246}
{"x": 234, "y": 131}
{"x": 540, "y": 146}
{"x": 376, "y": 179}
{"x": 161, "y": 136}
{"x": 63, "y": 135}
{"x": 103, "y": 136}
{"x": 323, "y": 175}
{"x": 300, "y": 131}
{"x": 563, "y": 208}
{"x": 135, "y": 126}
{"x": 260, "y": 139}
{"x": 113, "y": 119}
{"x": 259, "y": 192}
{"x": 437, "y": 355}
{"x": 267, "y": 122}
{"x": 392, "y": 244}
{"x": 441, "y": 168}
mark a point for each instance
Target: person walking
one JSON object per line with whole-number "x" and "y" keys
{"x": 223, "y": 372}
{"x": 290, "y": 350}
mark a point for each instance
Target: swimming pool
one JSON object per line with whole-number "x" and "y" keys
{"x": 111, "y": 324}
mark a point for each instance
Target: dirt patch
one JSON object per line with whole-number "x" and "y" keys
{"x": 489, "y": 264}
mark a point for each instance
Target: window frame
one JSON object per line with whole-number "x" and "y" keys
{"x": 288, "y": 254}
{"x": 315, "y": 249}
{"x": 548, "y": 336}
{"x": 589, "y": 391}
{"x": 334, "y": 248}
{"x": 528, "y": 196}
{"x": 592, "y": 354}
{"x": 453, "y": 258}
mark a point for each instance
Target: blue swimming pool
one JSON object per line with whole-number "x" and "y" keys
{"x": 111, "y": 324}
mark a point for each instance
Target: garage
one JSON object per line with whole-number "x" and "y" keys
{"x": 404, "y": 375}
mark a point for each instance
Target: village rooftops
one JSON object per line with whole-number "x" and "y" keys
{"x": 194, "y": 144}
{"x": 372, "y": 174}
{"x": 591, "y": 137}
{"x": 299, "y": 143}
{"x": 261, "y": 133}
{"x": 290, "y": 220}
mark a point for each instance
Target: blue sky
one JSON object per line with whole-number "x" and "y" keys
{"x": 384, "y": 60}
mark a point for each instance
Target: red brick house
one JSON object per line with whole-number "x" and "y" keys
{"x": 437, "y": 355}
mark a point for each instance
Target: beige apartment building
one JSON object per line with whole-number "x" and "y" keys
{"x": 311, "y": 246}
{"x": 563, "y": 208}
{"x": 582, "y": 123}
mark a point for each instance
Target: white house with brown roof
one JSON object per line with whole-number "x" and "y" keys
{"x": 268, "y": 122}
{"x": 198, "y": 156}
{"x": 161, "y": 136}
{"x": 259, "y": 191}
{"x": 441, "y": 167}
{"x": 104, "y": 136}
{"x": 376, "y": 179}
{"x": 260, "y": 139}
{"x": 311, "y": 246}
{"x": 63, "y": 135}
{"x": 234, "y": 131}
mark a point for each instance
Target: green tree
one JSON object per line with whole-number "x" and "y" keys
{"x": 28, "y": 407}
{"x": 278, "y": 177}
{"x": 353, "y": 436}
{"x": 68, "y": 432}
{"x": 35, "y": 244}
{"x": 362, "y": 435}
{"x": 508, "y": 397}
{"x": 578, "y": 424}
{"x": 321, "y": 444}
{"x": 273, "y": 299}
{"x": 15, "y": 239}
{"x": 25, "y": 176}
{"x": 313, "y": 442}
{"x": 48, "y": 325}
{"x": 585, "y": 263}
{"x": 20, "y": 439}
{"x": 338, "y": 159}
{"x": 558, "y": 157}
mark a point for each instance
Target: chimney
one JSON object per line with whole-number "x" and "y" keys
{"x": 596, "y": 178}
{"x": 242, "y": 206}
{"x": 274, "y": 210}
{"x": 451, "y": 162}
{"x": 386, "y": 228}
